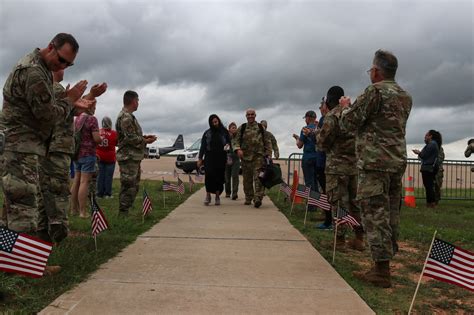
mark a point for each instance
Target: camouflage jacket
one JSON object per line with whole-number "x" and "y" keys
{"x": 62, "y": 139}
{"x": 379, "y": 118}
{"x": 131, "y": 144}
{"x": 275, "y": 149}
{"x": 339, "y": 146}
{"x": 251, "y": 143}
{"x": 30, "y": 109}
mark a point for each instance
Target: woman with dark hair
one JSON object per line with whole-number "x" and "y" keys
{"x": 429, "y": 166}
{"x": 214, "y": 143}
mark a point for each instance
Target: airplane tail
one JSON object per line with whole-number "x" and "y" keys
{"x": 179, "y": 143}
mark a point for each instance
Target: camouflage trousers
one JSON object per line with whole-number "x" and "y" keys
{"x": 250, "y": 178}
{"x": 3, "y": 209}
{"x": 129, "y": 184}
{"x": 379, "y": 194}
{"x": 21, "y": 190}
{"x": 53, "y": 203}
{"x": 232, "y": 177}
{"x": 342, "y": 191}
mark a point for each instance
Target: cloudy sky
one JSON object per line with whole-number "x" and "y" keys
{"x": 188, "y": 59}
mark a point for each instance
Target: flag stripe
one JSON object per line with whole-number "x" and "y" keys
{"x": 461, "y": 266}
{"x": 29, "y": 254}
{"x": 466, "y": 254}
{"x": 448, "y": 279}
{"x": 455, "y": 271}
{"x": 20, "y": 258}
{"x": 20, "y": 243}
{"x": 22, "y": 271}
{"x": 36, "y": 242}
{"x": 17, "y": 263}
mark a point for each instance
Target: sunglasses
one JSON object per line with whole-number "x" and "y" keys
{"x": 61, "y": 59}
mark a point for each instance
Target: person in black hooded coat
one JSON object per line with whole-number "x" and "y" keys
{"x": 214, "y": 143}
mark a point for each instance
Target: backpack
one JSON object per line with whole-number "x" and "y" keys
{"x": 78, "y": 140}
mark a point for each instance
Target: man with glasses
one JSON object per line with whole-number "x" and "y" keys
{"x": 252, "y": 147}
{"x": 30, "y": 111}
{"x": 378, "y": 118}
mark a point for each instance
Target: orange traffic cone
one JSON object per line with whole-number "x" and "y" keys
{"x": 296, "y": 181}
{"x": 410, "y": 193}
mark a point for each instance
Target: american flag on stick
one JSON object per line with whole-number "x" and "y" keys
{"x": 319, "y": 200}
{"x": 451, "y": 264}
{"x": 167, "y": 186}
{"x": 146, "y": 203}
{"x": 99, "y": 223}
{"x": 302, "y": 191}
{"x": 285, "y": 189}
{"x": 343, "y": 217}
{"x": 23, "y": 254}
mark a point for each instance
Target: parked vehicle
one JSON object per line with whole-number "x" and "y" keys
{"x": 187, "y": 161}
{"x": 153, "y": 152}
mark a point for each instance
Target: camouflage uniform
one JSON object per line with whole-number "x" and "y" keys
{"x": 54, "y": 177}
{"x": 438, "y": 182}
{"x": 3, "y": 210}
{"x": 30, "y": 111}
{"x": 255, "y": 149}
{"x": 130, "y": 153}
{"x": 276, "y": 151}
{"x": 341, "y": 171}
{"x": 379, "y": 119}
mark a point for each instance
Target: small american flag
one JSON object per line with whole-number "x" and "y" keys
{"x": 343, "y": 217}
{"x": 146, "y": 203}
{"x": 319, "y": 200}
{"x": 180, "y": 189}
{"x": 302, "y": 191}
{"x": 23, "y": 254}
{"x": 167, "y": 186}
{"x": 191, "y": 183}
{"x": 449, "y": 263}
{"x": 285, "y": 189}
{"x": 99, "y": 223}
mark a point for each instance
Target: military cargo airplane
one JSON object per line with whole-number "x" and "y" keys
{"x": 154, "y": 152}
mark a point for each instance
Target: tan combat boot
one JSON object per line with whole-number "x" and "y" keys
{"x": 379, "y": 275}
{"x": 51, "y": 270}
{"x": 357, "y": 243}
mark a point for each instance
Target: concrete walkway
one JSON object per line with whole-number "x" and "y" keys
{"x": 214, "y": 260}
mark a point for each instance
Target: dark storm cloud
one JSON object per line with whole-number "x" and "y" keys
{"x": 188, "y": 59}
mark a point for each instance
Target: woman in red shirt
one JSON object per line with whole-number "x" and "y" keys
{"x": 106, "y": 154}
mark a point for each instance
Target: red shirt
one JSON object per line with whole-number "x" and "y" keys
{"x": 106, "y": 149}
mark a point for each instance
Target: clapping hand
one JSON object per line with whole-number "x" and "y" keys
{"x": 74, "y": 93}
{"x": 98, "y": 89}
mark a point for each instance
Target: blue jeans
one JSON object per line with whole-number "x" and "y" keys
{"x": 309, "y": 173}
{"x": 104, "y": 180}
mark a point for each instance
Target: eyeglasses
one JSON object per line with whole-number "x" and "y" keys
{"x": 61, "y": 59}
{"x": 370, "y": 70}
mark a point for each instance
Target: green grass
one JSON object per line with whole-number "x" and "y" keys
{"x": 454, "y": 222}
{"x": 77, "y": 255}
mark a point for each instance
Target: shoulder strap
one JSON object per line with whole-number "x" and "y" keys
{"x": 242, "y": 130}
